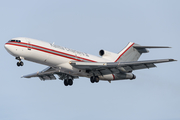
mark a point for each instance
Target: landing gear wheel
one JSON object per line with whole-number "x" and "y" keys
{"x": 92, "y": 80}
{"x": 96, "y": 79}
{"x": 70, "y": 82}
{"x": 18, "y": 64}
{"x": 66, "y": 82}
{"x": 21, "y": 63}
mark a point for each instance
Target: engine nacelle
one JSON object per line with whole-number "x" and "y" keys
{"x": 108, "y": 55}
{"x": 119, "y": 76}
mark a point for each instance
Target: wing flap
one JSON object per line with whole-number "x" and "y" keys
{"x": 150, "y": 65}
{"x": 141, "y": 66}
{"x": 47, "y": 77}
{"x": 129, "y": 68}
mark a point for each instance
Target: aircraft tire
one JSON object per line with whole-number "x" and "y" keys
{"x": 21, "y": 63}
{"x": 70, "y": 82}
{"x": 96, "y": 79}
{"x": 66, "y": 82}
{"x": 92, "y": 80}
{"x": 18, "y": 64}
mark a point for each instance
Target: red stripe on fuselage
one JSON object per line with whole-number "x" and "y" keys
{"x": 124, "y": 52}
{"x": 50, "y": 51}
{"x": 113, "y": 76}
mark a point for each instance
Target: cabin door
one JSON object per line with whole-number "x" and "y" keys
{"x": 28, "y": 45}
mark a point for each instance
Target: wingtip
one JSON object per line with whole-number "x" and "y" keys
{"x": 172, "y": 60}
{"x": 24, "y": 77}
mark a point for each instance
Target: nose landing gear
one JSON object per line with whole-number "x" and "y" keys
{"x": 20, "y": 63}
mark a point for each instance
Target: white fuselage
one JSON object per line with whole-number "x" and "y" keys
{"x": 69, "y": 64}
{"x": 50, "y": 54}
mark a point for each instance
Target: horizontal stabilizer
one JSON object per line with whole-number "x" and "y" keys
{"x": 133, "y": 51}
{"x": 150, "y": 46}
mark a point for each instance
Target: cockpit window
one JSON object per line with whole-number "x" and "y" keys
{"x": 18, "y": 41}
{"x": 14, "y": 41}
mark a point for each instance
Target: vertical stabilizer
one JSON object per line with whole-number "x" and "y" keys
{"x": 129, "y": 53}
{"x": 133, "y": 51}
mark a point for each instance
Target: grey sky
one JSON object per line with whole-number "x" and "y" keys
{"x": 89, "y": 26}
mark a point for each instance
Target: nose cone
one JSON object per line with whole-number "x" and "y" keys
{"x": 8, "y": 48}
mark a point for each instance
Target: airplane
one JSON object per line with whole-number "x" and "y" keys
{"x": 69, "y": 64}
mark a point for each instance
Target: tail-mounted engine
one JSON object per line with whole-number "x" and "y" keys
{"x": 108, "y": 55}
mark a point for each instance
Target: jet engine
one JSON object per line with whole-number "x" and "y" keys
{"x": 108, "y": 55}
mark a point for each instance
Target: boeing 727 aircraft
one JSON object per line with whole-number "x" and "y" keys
{"x": 70, "y": 64}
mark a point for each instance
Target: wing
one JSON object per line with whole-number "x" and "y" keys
{"x": 104, "y": 68}
{"x": 48, "y": 74}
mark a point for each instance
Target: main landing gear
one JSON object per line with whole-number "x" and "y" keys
{"x": 68, "y": 82}
{"x": 94, "y": 79}
{"x": 20, "y": 63}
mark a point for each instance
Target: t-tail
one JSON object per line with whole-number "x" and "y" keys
{"x": 131, "y": 52}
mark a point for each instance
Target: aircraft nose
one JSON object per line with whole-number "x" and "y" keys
{"x": 9, "y": 49}
{"x": 6, "y": 46}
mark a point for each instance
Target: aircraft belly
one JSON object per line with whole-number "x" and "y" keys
{"x": 35, "y": 56}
